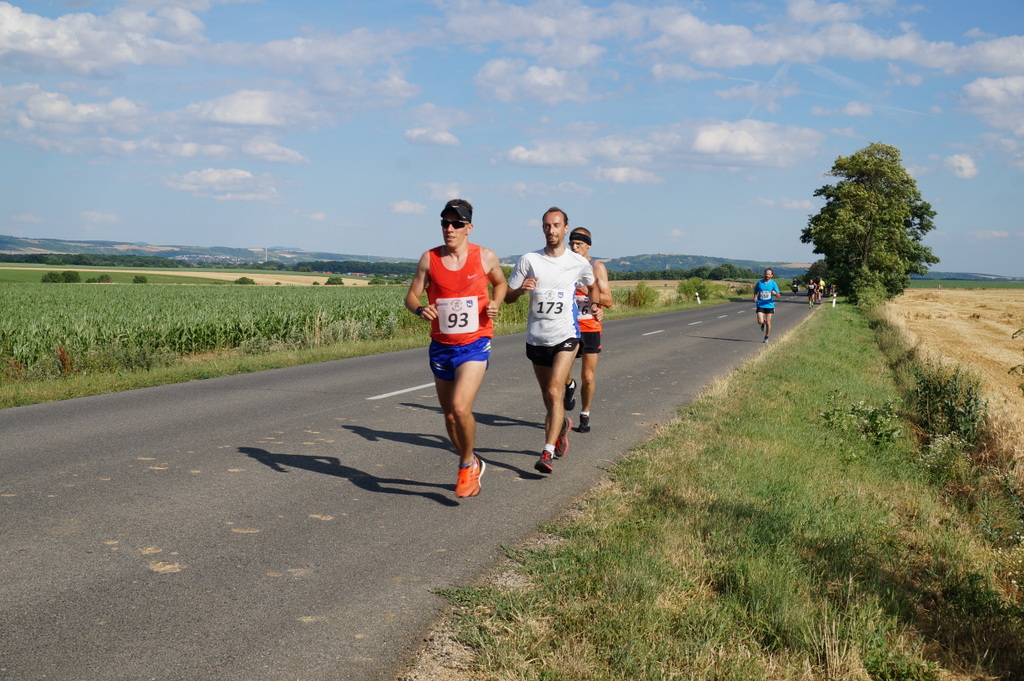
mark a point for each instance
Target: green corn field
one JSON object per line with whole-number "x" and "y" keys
{"x": 48, "y": 329}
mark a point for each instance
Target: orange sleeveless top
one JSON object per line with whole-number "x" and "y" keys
{"x": 586, "y": 318}
{"x": 461, "y": 297}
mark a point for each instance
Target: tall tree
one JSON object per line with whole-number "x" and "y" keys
{"x": 872, "y": 224}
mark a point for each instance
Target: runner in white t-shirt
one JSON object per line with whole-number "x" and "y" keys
{"x": 550, "y": 276}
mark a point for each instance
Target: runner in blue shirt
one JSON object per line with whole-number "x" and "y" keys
{"x": 765, "y": 292}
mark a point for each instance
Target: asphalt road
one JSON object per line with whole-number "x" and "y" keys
{"x": 293, "y": 525}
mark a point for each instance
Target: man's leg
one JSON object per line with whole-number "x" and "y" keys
{"x": 456, "y": 398}
{"x": 588, "y": 380}
{"x": 768, "y": 324}
{"x": 552, "y": 381}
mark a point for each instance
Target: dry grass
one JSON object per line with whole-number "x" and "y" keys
{"x": 974, "y": 328}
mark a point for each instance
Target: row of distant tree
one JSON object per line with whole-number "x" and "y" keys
{"x": 726, "y": 271}
{"x": 93, "y": 260}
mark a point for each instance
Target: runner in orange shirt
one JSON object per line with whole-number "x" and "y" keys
{"x": 460, "y": 309}
{"x": 591, "y": 315}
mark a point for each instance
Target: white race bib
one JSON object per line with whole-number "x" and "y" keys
{"x": 458, "y": 315}
{"x": 547, "y": 303}
{"x": 583, "y": 303}
{"x": 765, "y": 295}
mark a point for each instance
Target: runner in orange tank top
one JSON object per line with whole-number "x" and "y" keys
{"x": 455, "y": 276}
{"x": 591, "y": 315}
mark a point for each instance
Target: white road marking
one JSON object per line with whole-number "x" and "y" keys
{"x": 692, "y": 323}
{"x": 654, "y": 332}
{"x": 399, "y": 392}
{"x": 722, "y": 316}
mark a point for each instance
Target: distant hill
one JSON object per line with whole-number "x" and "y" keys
{"x": 290, "y": 256}
{"x": 663, "y": 261}
{"x": 196, "y": 254}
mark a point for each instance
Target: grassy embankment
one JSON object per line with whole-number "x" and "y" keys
{"x": 785, "y": 527}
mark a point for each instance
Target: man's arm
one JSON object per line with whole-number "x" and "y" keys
{"x": 604, "y": 298}
{"x": 496, "y": 275}
{"x": 519, "y": 283}
{"x": 417, "y": 287}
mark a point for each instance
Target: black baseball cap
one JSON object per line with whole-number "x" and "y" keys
{"x": 460, "y": 208}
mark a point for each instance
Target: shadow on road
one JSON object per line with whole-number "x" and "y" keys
{"x": 441, "y": 442}
{"x": 330, "y": 465}
{"x": 496, "y": 420}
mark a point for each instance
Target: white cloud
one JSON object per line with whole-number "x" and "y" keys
{"x": 849, "y": 109}
{"x": 751, "y": 142}
{"x": 253, "y": 107}
{"x": 228, "y": 184}
{"x": 556, "y": 154}
{"x": 428, "y": 137}
{"x": 561, "y": 34}
{"x": 445, "y": 191}
{"x": 624, "y": 175}
{"x": 961, "y": 166}
{"x": 989, "y": 235}
{"x": 434, "y": 123}
{"x": 732, "y": 45}
{"x": 271, "y": 151}
{"x": 809, "y": 11}
{"x": 662, "y": 72}
{"x": 408, "y": 208}
{"x": 88, "y": 44}
{"x": 786, "y": 204}
{"x": 531, "y": 189}
{"x": 797, "y": 204}
{"x": 510, "y": 80}
{"x": 99, "y": 218}
{"x": 999, "y": 102}
{"x": 760, "y": 95}
{"x": 745, "y": 143}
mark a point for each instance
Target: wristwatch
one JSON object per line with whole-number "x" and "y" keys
{"x": 419, "y": 311}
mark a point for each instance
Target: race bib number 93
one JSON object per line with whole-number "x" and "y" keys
{"x": 458, "y": 315}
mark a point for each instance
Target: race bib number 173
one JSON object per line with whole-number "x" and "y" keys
{"x": 550, "y": 304}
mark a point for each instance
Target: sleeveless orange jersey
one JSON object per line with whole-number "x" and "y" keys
{"x": 461, "y": 297}
{"x": 586, "y": 318}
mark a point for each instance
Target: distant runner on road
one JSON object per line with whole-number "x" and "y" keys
{"x": 550, "y": 276}
{"x": 460, "y": 310}
{"x": 765, "y": 293}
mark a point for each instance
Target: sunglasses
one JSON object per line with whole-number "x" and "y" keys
{"x": 457, "y": 224}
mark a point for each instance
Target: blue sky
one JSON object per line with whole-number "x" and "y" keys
{"x": 698, "y": 128}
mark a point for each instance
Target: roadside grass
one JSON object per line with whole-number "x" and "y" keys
{"x": 779, "y": 529}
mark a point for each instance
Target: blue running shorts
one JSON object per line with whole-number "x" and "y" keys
{"x": 445, "y": 359}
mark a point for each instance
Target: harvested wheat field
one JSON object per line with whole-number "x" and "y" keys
{"x": 974, "y": 328}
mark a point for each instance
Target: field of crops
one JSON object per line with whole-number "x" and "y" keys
{"x": 965, "y": 283}
{"x": 52, "y": 329}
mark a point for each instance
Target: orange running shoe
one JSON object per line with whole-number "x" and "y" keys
{"x": 562, "y": 444}
{"x": 468, "y": 484}
{"x": 544, "y": 463}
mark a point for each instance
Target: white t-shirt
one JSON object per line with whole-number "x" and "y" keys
{"x": 553, "y": 312}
